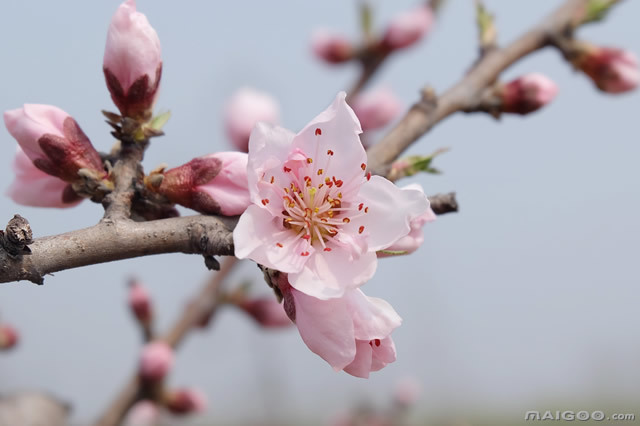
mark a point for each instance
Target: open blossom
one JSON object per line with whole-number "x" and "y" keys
{"x": 132, "y": 61}
{"x": 612, "y": 70}
{"x": 352, "y": 333}
{"x": 376, "y": 108}
{"x": 527, "y": 93}
{"x": 53, "y": 141}
{"x": 266, "y": 311}
{"x": 316, "y": 213}
{"x": 408, "y": 27}
{"x": 33, "y": 187}
{"x": 330, "y": 47}
{"x": 213, "y": 184}
{"x": 186, "y": 401}
{"x": 414, "y": 239}
{"x": 243, "y": 110}
{"x": 156, "y": 360}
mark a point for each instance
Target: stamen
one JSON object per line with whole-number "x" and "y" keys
{"x": 318, "y": 132}
{"x": 265, "y": 201}
{"x": 306, "y": 253}
{"x": 346, "y": 220}
{"x": 329, "y": 152}
{"x": 309, "y": 160}
{"x": 320, "y": 171}
{"x": 363, "y": 166}
{"x": 360, "y": 206}
{"x": 286, "y": 169}
{"x": 369, "y": 176}
{"x": 272, "y": 179}
{"x": 361, "y": 230}
{"x": 279, "y": 245}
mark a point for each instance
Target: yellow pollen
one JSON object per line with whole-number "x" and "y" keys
{"x": 309, "y": 160}
{"x": 320, "y": 172}
{"x": 339, "y": 194}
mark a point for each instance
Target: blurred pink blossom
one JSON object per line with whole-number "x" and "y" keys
{"x": 143, "y": 413}
{"x": 186, "y": 401}
{"x": 612, "y": 70}
{"x": 316, "y": 213}
{"x": 376, "y": 108}
{"x": 527, "y": 93}
{"x": 408, "y": 27}
{"x": 140, "y": 302}
{"x": 330, "y": 47}
{"x": 156, "y": 361}
{"x": 267, "y": 312}
{"x": 8, "y": 337}
{"x": 407, "y": 391}
{"x": 243, "y": 110}
{"x": 132, "y": 61}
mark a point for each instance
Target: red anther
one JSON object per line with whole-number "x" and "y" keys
{"x": 369, "y": 176}
{"x": 306, "y": 237}
{"x": 327, "y": 249}
{"x": 346, "y": 220}
{"x": 366, "y": 209}
{"x": 286, "y": 169}
{"x": 304, "y": 253}
{"x": 318, "y": 132}
{"x": 309, "y": 160}
{"x": 272, "y": 179}
{"x": 320, "y": 171}
{"x": 363, "y": 166}
{"x": 377, "y": 342}
{"x": 360, "y": 206}
{"x": 265, "y": 201}
{"x": 279, "y": 245}
{"x": 329, "y": 152}
{"x": 361, "y": 230}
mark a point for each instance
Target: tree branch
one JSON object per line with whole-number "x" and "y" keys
{"x": 431, "y": 110}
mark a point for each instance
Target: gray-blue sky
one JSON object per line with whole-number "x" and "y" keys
{"x": 528, "y": 295}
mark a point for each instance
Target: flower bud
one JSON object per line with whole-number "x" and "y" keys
{"x": 143, "y": 413}
{"x": 132, "y": 62}
{"x": 408, "y": 27}
{"x": 612, "y": 70}
{"x": 266, "y": 311}
{"x": 8, "y": 337}
{"x": 140, "y": 302}
{"x": 527, "y": 93}
{"x": 407, "y": 391}
{"x": 53, "y": 141}
{"x": 376, "y": 108}
{"x": 186, "y": 401}
{"x": 33, "y": 187}
{"x": 213, "y": 184}
{"x": 155, "y": 361}
{"x": 243, "y": 110}
{"x": 331, "y": 48}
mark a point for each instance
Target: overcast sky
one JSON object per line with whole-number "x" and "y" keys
{"x": 526, "y": 297}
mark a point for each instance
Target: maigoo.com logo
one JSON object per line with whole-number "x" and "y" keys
{"x": 573, "y": 415}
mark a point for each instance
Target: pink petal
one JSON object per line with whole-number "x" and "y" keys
{"x": 257, "y": 236}
{"x": 29, "y": 123}
{"x": 326, "y": 328}
{"x": 330, "y": 274}
{"x": 390, "y": 211}
{"x": 373, "y": 318}
{"x": 361, "y": 364}
{"x": 383, "y": 354}
{"x": 230, "y": 187}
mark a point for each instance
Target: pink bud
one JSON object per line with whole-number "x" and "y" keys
{"x": 140, "y": 302}
{"x": 408, "y": 27}
{"x": 186, "y": 401}
{"x": 332, "y": 48}
{"x": 132, "y": 62}
{"x": 527, "y": 93}
{"x": 376, "y": 108}
{"x": 407, "y": 391}
{"x": 8, "y": 337}
{"x": 155, "y": 361}
{"x": 267, "y": 312}
{"x": 243, "y": 110}
{"x": 612, "y": 70}
{"x": 143, "y": 413}
{"x": 33, "y": 187}
{"x": 53, "y": 141}
{"x": 213, "y": 184}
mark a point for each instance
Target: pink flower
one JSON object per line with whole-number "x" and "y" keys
{"x": 53, "y": 141}
{"x": 213, "y": 184}
{"x": 316, "y": 213}
{"x": 155, "y": 361}
{"x": 414, "y": 239}
{"x": 140, "y": 302}
{"x": 186, "y": 401}
{"x": 408, "y": 27}
{"x": 612, "y": 70}
{"x": 352, "y": 333}
{"x": 376, "y": 108}
{"x": 332, "y": 48}
{"x": 407, "y": 391}
{"x": 33, "y": 187}
{"x": 8, "y": 337}
{"x": 143, "y": 413}
{"x": 527, "y": 93}
{"x": 132, "y": 61}
{"x": 245, "y": 108}
{"x": 267, "y": 312}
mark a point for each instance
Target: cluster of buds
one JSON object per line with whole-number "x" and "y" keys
{"x": 177, "y": 402}
{"x": 213, "y": 184}
{"x": 8, "y": 337}
{"x": 404, "y": 30}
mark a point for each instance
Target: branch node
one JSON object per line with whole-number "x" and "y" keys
{"x": 16, "y": 238}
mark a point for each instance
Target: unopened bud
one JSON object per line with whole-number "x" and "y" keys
{"x": 243, "y": 110}
{"x": 213, "y": 184}
{"x": 140, "y": 302}
{"x": 407, "y": 391}
{"x": 376, "y": 108}
{"x": 408, "y": 27}
{"x": 612, "y": 70}
{"x": 527, "y": 93}
{"x": 331, "y": 48}
{"x": 266, "y": 311}
{"x": 186, "y": 401}
{"x": 132, "y": 62}
{"x": 143, "y": 413}
{"x": 8, "y": 337}
{"x": 155, "y": 361}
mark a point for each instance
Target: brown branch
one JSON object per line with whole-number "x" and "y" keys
{"x": 430, "y": 110}
{"x": 203, "y": 306}
{"x": 444, "y": 203}
{"x": 124, "y": 239}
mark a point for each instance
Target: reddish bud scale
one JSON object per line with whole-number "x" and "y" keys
{"x": 137, "y": 101}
